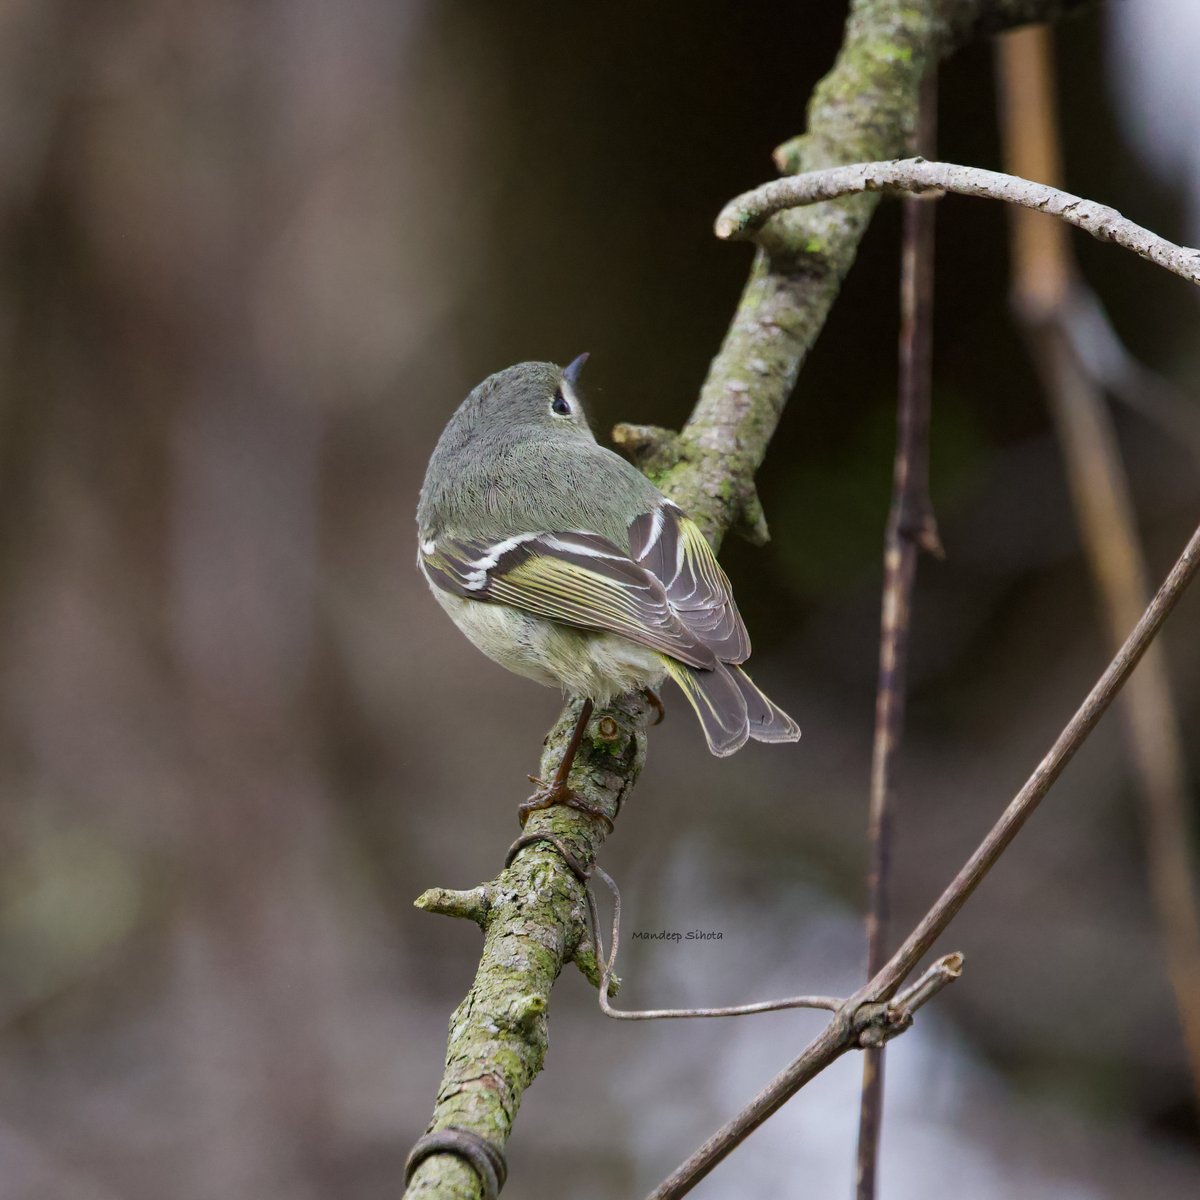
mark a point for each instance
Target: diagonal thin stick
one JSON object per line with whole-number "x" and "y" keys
{"x": 839, "y": 1036}
{"x": 911, "y": 528}
{"x": 1021, "y": 808}
{"x": 1046, "y": 296}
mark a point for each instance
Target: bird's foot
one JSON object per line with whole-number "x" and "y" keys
{"x": 655, "y": 702}
{"x": 549, "y": 794}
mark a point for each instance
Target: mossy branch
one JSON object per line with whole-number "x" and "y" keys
{"x": 534, "y": 921}
{"x": 863, "y": 110}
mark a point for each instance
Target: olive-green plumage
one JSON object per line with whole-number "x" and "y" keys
{"x": 507, "y": 464}
{"x": 564, "y": 563}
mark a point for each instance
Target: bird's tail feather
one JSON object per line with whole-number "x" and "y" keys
{"x": 768, "y": 722}
{"x": 730, "y": 707}
{"x": 718, "y": 702}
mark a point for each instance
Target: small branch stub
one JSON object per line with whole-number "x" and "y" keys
{"x": 875, "y": 1024}
{"x": 472, "y": 905}
{"x": 649, "y": 447}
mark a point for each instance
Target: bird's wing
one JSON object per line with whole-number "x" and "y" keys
{"x": 579, "y": 579}
{"x": 671, "y": 547}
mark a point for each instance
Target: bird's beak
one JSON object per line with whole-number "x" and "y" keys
{"x": 571, "y": 371}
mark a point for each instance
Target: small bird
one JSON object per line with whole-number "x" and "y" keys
{"x": 564, "y": 563}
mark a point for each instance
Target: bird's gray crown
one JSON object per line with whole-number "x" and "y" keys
{"x": 496, "y": 446}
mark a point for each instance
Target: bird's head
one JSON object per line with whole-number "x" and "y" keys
{"x": 530, "y": 397}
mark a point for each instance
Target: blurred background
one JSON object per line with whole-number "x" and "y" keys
{"x": 253, "y": 257}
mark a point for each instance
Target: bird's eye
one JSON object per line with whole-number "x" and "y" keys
{"x": 559, "y": 405}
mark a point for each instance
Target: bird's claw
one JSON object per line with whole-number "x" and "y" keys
{"x": 655, "y": 702}
{"x": 549, "y": 794}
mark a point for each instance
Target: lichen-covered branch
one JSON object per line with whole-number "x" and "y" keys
{"x": 864, "y": 109}
{"x": 534, "y": 918}
{"x": 749, "y": 216}
{"x": 533, "y": 915}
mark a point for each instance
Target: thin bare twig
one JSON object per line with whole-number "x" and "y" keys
{"x": 911, "y": 528}
{"x": 608, "y": 965}
{"x": 1045, "y": 290}
{"x": 943, "y": 972}
{"x": 840, "y": 1035}
{"x": 920, "y": 941}
{"x": 742, "y": 217}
